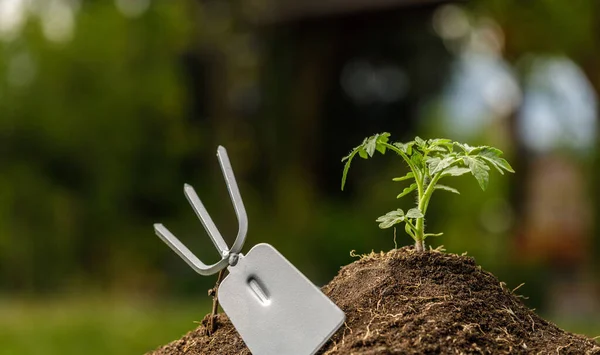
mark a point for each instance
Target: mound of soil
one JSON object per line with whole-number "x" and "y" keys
{"x": 407, "y": 302}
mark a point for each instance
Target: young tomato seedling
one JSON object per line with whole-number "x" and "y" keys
{"x": 429, "y": 162}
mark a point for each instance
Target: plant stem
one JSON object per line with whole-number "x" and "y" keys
{"x": 420, "y": 180}
{"x": 428, "y": 192}
{"x": 423, "y": 204}
{"x": 419, "y": 245}
{"x": 211, "y": 322}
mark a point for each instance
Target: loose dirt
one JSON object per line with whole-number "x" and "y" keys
{"x": 406, "y": 302}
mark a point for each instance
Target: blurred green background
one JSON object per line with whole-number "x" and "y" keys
{"x": 108, "y": 107}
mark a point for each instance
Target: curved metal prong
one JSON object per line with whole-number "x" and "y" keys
{"x": 236, "y": 199}
{"x": 186, "y": 254}
{"x": 209, "y": 225}
{"x": 207, "y": 222}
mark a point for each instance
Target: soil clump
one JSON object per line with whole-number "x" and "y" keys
{"x": 407, "y": 302}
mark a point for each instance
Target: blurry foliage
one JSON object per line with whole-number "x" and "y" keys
{"x": 546, "y": 26}
{"x": 570, "y": 29}
{"x": 91, "y": 145}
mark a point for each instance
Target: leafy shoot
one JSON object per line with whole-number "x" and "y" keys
{"x": 429, "y": 161}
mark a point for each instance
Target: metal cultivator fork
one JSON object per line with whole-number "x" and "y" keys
{"x": 272, "y": 305}
{"x": 228, "y": 256}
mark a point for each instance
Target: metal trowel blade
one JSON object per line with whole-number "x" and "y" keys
{"x": 274, "y": 307}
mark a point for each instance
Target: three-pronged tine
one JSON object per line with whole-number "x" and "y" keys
{"x": 209, "y": 225}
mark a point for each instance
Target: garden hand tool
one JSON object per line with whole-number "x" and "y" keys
{"x": 272, "y": 305}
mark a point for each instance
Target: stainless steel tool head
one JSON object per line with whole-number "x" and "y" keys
{"x": 214, "y": 234}
{"x": 274, "y": 307}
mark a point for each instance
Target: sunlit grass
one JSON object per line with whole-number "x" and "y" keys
{"x": 84, "y": 326}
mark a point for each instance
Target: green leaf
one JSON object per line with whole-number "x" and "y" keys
{"x": 400, "y": 146}
{"x": 391, "y": 218}
{"x": 375, "y": 142}
{"x": 417, "y": 158}
{"x": 363, "y": 153}
{"x": 501, "y": 162}
{"x": 436, "y": 164}
{"x": 439, "y": 149}
{"x": 404, "y": 147}
{"x": 382, "y": 139}
{"x": 492, "y": 156}
{"x": 465, "y": 147}
{"x": 409, "y": 175}
{"x": 433, "y": 161}
{"x": 441, "y": 146}
{"x": 420, "y": 142}
{"x": 489, "y": 151}
{"x": 414, "y": 213}
{"x": 446, "y": 188}
{"x": 478, "y": 169}
{"x": 439, "y": 141}
{"x": 407, "y": 190}
{"x": 461, "y": 146}
{"x": 474, "y": 150}
{"x": 349, "y": 158}
{"x": 371, "y": 145}
{"x": 455, "y": 171}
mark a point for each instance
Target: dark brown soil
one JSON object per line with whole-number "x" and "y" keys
{"x": 406, "y": 302}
